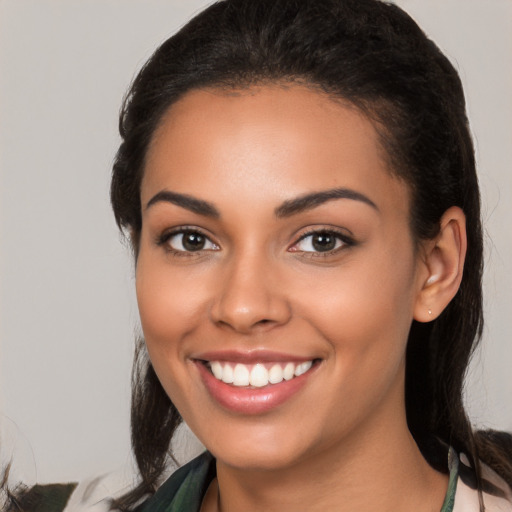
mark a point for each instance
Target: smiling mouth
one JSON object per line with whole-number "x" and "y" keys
{"x": 257, "y": 375}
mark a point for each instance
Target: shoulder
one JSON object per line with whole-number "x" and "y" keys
{"x": 497, "y": 495}
{"x": 89, "y": 495}
{"x": 96, "y": 494}
{"x": 40, "y": 498}
{"x": 179, "y": 492}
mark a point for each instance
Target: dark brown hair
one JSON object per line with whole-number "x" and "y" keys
{"x": 373, "y": 55}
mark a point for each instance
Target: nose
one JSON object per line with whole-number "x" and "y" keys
{"x": 251, "y": 297}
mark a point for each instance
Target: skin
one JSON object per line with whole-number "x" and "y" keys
{"x": 257, "y": 285}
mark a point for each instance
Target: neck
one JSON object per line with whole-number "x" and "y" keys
{"x": 381, "y": 470}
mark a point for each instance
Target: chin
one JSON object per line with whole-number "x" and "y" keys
{"x": 257, "y": 460}
{"x": 258, "y": 449}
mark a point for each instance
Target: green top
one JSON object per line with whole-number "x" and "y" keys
{"x": 185, "y": 489}
{"x": 43, "y": 498}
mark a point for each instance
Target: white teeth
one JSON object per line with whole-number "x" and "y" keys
{"x": 217, "y": 369}
{"x": 241, "y": 375}
{"x": 289, "y": 371}
{"x": 275, "y": 375}
{"x": 258, "y": 375}
{"x": 302, "y": 368}
{"x": 227, "y": 374}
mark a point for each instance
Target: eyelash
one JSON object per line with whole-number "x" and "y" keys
{"x": 346, "y": 241}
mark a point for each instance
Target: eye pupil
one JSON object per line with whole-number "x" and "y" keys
{"x": 324, "y": 242}
{"x": 193, "y": 241}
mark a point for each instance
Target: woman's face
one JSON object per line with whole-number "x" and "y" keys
{"x": 276, "y": 253}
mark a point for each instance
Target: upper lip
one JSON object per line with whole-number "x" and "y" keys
{"x": 251, "y": 356}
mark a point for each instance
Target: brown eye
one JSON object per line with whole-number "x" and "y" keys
{"x": 323, "y": 241}
{"x": 190, "y": 241}
{"x": 193, "y": 241}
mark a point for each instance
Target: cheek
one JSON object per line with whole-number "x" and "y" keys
{"x": 169, "y": 309}
{"x": 365, "y": 311}
{"x": 169, "y": 304}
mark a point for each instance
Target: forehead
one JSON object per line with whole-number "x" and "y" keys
{"x": 269, "y": 141}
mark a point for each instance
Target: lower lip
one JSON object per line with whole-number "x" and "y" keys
{"x": 252, "y": 400}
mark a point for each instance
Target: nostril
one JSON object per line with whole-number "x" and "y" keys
{"x": 243, "y": 310}
{"x": 249, "y": 326}
{"x": 265, "y": 322}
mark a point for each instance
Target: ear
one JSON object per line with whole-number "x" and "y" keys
{"x": 443, "y": 264}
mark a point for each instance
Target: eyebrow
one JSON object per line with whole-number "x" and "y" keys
{"x": 185, "y": 201}
{"x": 287, "y": 208}
{"x": 310, "y": 201}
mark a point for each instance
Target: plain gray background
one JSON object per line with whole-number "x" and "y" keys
{"x": 68, "y": 314}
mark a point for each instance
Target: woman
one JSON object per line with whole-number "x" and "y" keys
{"x": 298, "y": 183}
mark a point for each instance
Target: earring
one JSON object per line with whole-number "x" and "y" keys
{"x": 430, "y": 312}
